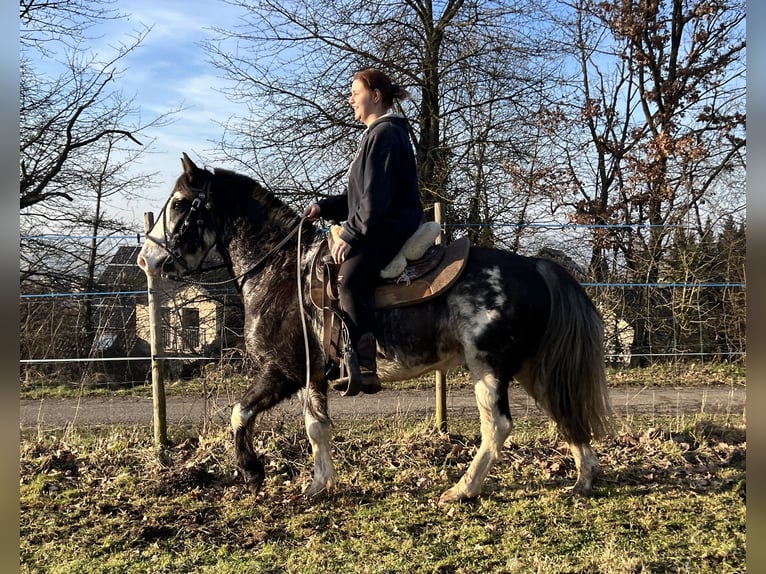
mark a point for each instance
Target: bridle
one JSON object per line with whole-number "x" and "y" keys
{"x": 202, "y": 205}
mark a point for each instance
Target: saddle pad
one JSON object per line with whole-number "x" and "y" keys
{"x": 430, "y": 285}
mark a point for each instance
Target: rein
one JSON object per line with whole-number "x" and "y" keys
{"x": 301, "y": 308}
{"x": 237, "y": 278}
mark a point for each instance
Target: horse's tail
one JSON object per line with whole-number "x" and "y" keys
{"x": 568, "y": 378}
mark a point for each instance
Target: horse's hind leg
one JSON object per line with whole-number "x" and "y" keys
{"x": 318, "y": 430}
{"x": 496, "y": 425}
{"x": 588, "y": 468}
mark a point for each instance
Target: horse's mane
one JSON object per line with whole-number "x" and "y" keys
{"x": 237, "y": 183}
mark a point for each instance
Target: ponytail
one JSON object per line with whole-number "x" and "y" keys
{"x": 376, "y": 80}
{"x": 399, "y": 93}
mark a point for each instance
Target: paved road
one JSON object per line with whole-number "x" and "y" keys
{"x": 56, "y": 413}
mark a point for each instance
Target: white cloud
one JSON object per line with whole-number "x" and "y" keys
{"x": 170, "y": 71}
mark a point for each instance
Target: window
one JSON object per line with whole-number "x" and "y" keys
{"x": 166, "y": 332}
{"x": 190, "y": 328}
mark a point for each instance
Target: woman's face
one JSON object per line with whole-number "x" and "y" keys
{"x": 366, "y": 103}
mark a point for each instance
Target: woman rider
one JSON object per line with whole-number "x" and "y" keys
{"x": 380, "y": 210}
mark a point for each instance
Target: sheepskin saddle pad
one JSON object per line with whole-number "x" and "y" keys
{"x": 421, "y": 270}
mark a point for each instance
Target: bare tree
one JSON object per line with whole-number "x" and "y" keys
{"x": 64, "y": 119}
{"x": 79, "y": 138}
{"x": 471, "y": 66}
{"x": 78, "y": 135}
{"x": 661, "y": 95}
{"x": 45, "y": 25}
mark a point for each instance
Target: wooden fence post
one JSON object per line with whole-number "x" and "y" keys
{"x": 155, "y": 339}
{"x": 441, "y": 376}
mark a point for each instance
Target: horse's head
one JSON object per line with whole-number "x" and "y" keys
{"x": 184, "y": 232}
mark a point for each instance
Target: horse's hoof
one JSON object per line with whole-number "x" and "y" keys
{"x": 315, "y": 494}
{"x": 317, "y": 491}
{"x": 581, "y": 490}
{"x": 448, "y": 498}
{"x": 454, "y": 496}
{"x": 254, "y": 486}
{"x": 253, "y": 480}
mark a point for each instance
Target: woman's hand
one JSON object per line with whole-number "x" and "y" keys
{"x": 312, "y": 212}
{"x": 340, "y": 250}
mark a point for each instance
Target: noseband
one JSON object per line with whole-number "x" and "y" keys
{"x": 200, "y": 205}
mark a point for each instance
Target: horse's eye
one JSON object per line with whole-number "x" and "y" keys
{"x": 177, "y": 204}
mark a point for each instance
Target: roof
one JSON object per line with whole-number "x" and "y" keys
{"x": 122, "y": 273}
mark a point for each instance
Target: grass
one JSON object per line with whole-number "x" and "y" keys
{"x": 671, "y": 499}
{"x": 216, "y": 379}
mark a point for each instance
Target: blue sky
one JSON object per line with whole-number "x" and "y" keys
{"x": 169, "y": 70}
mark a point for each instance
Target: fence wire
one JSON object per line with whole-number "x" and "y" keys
{"x": 100, "y": 336}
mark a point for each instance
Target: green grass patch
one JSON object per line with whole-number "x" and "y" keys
{"x": 678, "y": 374}
{"x": 217, "y": 380}
{"x": 671, "y": 499}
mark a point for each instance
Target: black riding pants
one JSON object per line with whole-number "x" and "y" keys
{"x": 357, "y": 277}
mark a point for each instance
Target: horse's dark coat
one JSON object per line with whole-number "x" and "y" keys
{"x": 507, "y": 317}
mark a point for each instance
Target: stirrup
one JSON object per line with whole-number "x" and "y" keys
{"x": 351, "y": 384}
{"x": 356, "y": 381}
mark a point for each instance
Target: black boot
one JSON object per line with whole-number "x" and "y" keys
{"x": 366, "y": 352}
{"x": 360, "y": 366}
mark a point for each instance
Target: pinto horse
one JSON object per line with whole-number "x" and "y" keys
{"x": 506, "y": 317}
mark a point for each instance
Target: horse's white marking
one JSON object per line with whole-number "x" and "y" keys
{"x": 239, "y": 417}
{"x": 393, "y": 370}
{"x": 476, "y": 321}
{"x": 483, "y": 320}
{"x": 151, "y": 256}
{"x": 473, "y": 324}
{"x": 495, "y": 428}
{"x": 495, "y": 283}
{"x": 587, "y": 468}
{"x": 324, "y": 471}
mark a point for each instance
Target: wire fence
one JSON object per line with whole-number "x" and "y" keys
{"x": 99, "y": 336}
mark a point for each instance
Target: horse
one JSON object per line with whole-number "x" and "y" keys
{"x": 507, "y": 317}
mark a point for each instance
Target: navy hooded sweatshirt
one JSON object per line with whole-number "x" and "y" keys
{"x": 382, "y": 196}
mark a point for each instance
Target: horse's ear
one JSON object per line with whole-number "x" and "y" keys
{"x": 189, "y": 167}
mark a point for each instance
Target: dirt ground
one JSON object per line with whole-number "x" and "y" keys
{"x": 189, "y": 410}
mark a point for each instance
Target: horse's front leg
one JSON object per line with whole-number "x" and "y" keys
{"x": 269, "y": 388}
{"x": 496, "y": 425}
{"x": 319, "y": 431}
{"x": 249, "y": 463}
